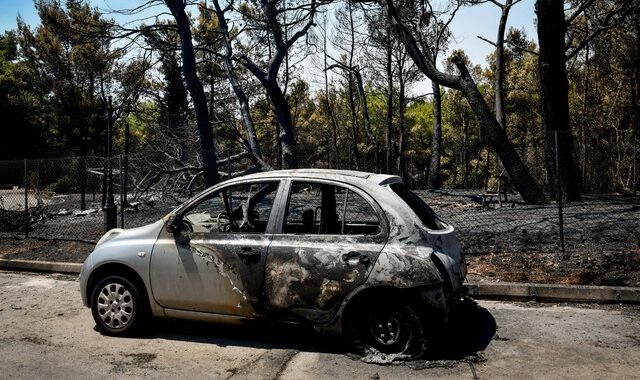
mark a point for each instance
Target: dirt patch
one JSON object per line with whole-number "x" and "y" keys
{"x": 611, "y": 268}
{"x": 35, "y": 340}
{"x": 124, "y": 364}
{"x": 45, "y": 250}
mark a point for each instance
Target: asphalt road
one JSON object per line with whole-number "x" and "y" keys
{"x": 45, "y": 332}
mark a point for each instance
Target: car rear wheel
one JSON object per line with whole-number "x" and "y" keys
{"x": 118, "y": 306}
{"x": 390, "y": 329}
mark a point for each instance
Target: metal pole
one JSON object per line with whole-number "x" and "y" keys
{"x": 110, "y": 217}
{"x": 26, "y": 201}
{"x": 229, "y": 163}
{"x": 635, "y": 160}
{"x": 125, "y": 174}
{"x": 38, "y": 199}
{"x": 121, "y": 192}
{"x": 559, "y": 194}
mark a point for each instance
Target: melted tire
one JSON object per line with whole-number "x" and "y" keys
{"x": 367, "y": 333}
{"x": 118, "y": 307}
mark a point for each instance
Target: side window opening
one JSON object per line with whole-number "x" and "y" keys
{"x": 419, "y": 207}
{"x": 241, "y": 208}
{"x": 322, "y": 209}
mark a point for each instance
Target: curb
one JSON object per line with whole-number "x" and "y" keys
{"x": 504, "y": 291}
{"x": 554, "y": 293}
{"x": 40, "y": 266}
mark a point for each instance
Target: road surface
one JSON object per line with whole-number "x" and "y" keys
{"x": 45, "y": 332}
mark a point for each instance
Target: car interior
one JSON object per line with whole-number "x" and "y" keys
{"x": 323, "y": 209}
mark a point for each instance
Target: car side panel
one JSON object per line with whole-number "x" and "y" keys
{"x": 133, "y": 252}
{"x": 404, "y": 267}
{"x": 309, "y": 275}
{"x": 207, "y": 275}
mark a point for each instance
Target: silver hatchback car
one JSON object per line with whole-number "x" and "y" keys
{"x": 348, "y": 252}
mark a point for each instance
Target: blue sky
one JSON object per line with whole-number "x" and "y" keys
{"x": 470, "y": 22}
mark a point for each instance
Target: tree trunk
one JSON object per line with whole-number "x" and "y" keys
{"x": 433, "y": 181}
{"x": 636, "y": 105}
{"x": 328, "y": 105}
{"x": 465, "y": 154}
{"x": 389, "y": 130}
{"x": 189, "y": 69}
{"x": 497, "y": 139}
{"x": 371, "y": 138}
{"x": 499, "y": 80}
{"x": 282, "y": 112}
{"x": 554, "y": 94}
{"x": 243, "y": 101}
{"x": 401, "y": 159}
{"x": 494, "y": 134}
{"x": 354, "y": 154}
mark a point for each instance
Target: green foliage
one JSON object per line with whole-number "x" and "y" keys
{"x": 69, "y": 64}
{"x": 53, "y": 78}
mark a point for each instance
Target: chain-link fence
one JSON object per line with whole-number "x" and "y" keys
{"x": 64, "y": 199}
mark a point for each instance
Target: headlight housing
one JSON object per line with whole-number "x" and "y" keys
{"x": 109, "y": 235}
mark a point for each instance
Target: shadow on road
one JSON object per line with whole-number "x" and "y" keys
{"x": 252, "y": 334}
{"x": 471, "y": 330}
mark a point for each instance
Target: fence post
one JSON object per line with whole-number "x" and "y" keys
{"x": 559, "y": 194}
{"x": 83, "y": 182}
{"x": 122, "y": 198}
{"x": 125, "y": 174}
{"x": 635, "y": 161}
{"x": 110, "y": 217}
{"x": 26, "y": 201}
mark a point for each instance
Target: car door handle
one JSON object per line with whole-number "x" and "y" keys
{"x": 247, "y": 252}
{"x": 355, "y": 257}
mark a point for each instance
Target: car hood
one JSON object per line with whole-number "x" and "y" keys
{"x": 118, "y": 235}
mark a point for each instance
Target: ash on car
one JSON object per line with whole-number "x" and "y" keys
{"x": 352, "y": 253}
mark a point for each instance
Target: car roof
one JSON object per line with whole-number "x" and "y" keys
{"x": 378, "y": 179}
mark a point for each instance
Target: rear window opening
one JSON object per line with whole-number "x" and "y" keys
{"x": 422, "y": 210}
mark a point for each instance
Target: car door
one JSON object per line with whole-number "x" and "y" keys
{"x": 329, "y": 236}
{"x": 215, "y": 261}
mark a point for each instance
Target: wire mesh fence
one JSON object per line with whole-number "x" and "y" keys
{"x": 64, "y": 199}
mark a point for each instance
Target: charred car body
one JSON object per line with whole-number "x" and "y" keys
{"x": 349, "y": 252}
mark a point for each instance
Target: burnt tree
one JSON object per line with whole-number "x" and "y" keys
{"x": 277, "y": 29}
{"x": 238, "y": 90}
{"x": 433, "y": 178}
{"x": 494, "y": 135}
{"x": 554, "y": 96}
{"x": 194, "y": 85}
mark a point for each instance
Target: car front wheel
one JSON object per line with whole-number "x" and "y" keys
{"x": 117, "y": 306}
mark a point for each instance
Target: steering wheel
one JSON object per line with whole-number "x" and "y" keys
{"x": 229, "y": 226}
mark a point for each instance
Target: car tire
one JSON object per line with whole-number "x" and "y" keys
{"x": 394, "y": 329}
{"x": 118, "y": 306}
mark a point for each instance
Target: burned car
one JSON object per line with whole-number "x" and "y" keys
{"x": 348, "y": 252}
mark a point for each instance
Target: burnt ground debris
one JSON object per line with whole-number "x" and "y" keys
{"x": 516, "y": 242}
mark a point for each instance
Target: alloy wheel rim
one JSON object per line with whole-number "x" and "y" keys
{"x": 115, "y": 305}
